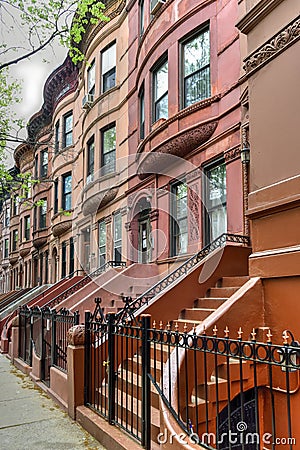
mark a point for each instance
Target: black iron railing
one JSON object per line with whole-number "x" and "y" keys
{"x": 216, "y": 388}
{"x": 45, "y": 331}
{"x": 181, "y": 271}
{"x": 84, "y": 281}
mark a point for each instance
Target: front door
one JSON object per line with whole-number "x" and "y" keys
{"x": 144, "y": 241}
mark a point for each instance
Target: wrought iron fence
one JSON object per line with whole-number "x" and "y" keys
{"x": 45, "y": 331}
{"x": 81, "y": 283}
{"x": 180, "y": 272}
{"x": 223, "y": 393}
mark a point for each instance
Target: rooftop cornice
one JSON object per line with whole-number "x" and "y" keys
{"x": 60, "y": 83}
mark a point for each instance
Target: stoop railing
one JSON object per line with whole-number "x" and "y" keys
{"x": 216, "y": 388}
{"x": 132, "y": 307}
{"x": 83, "y": 282}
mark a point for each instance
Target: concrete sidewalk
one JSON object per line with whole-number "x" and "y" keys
{"x": 30, "y": 420}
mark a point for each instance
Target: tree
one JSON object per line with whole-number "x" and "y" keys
{"x": 41, "y": 24}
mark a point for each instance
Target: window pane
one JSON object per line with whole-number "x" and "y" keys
{"x": 68, "y": 123}
{"x": 67, "y": 187}
{"x": 161, "y": 108}
{"x": 117, "y": 227}
{"x": 161, "y": 81}
{"x": 197, "y": 86}
{"x": 196, "y": 53}
{"x": 109, "y": 140}
{"x": 91, "y": 78}
{"x": 108, "y": 59}
{"x": 109, "y": 79}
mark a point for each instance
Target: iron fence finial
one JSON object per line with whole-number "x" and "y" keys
{"x": 240, "y": 333}
{"x": 226, "y": 331}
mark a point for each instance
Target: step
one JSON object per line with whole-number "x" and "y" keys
{"x": 232, "y": 281}
{"x": 223, "y": 292}
{"x": 128, "y": 412}
{"x": 189, "y": 324}
{"x": 211, "y": 391}
{"x": 234, "y": 370}
{"x": 209, "y": 302}
{"x": 134, "y": 387}
{"x": 196, "y": 313}
{"x": 192, "y": 409}
{"x": 134, "y": 365}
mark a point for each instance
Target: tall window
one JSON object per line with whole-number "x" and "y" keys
{"x": 15, "y": 238}
{"x": 108, "y": 67}
{"x": 160, "y": 92}
{"x": 67, "y": 192}
{"x": 68, "y": 130}
{"x": 118, "y": 237}
{"x": 64, "y": 259}
{"x": 215, "y": 202}
{"x": 44, "y": 163}
{"x": 7, "y": 214}
{"x": 102, "y": 242}
{"x": 34, "y": 218}
{"x": 43, "y": 214}
{"x": 90, "y": 159}
{"x": 179, "y": 224}
{"x": 142, "y": 112}
{"x": 91, "y": 79}
{"x": 6, "y": 248}
{"x": 142, "y": 17}
{"x": 55, "y": 206}
{"x": 15, "y": 206}
{"x": 71, "y": 262}
{"x": 36, "y": 166}
{"x": 27, "y": 228}
{"x": 196, "y": 71}
{"x": 108, "y": 160}
{"x": 56, "y": 137}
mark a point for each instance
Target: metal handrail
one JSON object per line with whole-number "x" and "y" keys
{"x": 131, "y": 307}
{"x": 81, "y": 283}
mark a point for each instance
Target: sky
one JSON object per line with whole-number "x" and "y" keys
{"x": 30, "y": 73}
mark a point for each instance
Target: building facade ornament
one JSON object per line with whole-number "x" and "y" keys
{"x": 75, "y": 335}
{"x": 61, "y": 228}
{"x": 232, "y": 153}
{"x": 274, "y": 46}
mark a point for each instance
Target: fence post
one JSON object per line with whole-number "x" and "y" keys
{"x": 76, "y": 317}
{"x": 53, "y": 338}
{"x": 42, "y": 347}
{"x": 87, "y": 355}
{"x": 111, "y": 372}
{"x": 20, "y": 332}
{"x": 146, "y": 393}
{"x": 31, "y": 338}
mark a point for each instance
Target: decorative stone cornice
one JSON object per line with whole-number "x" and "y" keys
{"x": 60, "y": 83}
{"x": 92, "y": 204}
{"x": 179, "y": 145}
{"x": 39, "y": 242}
{"x": 24, "y": 252}
{"x": 273, "y": 47}
{"x": 75, "y": 335}
{"x": 232, "y": 154}
{"x": 23, "y": 155}
{"x": 13, "y": 258}
{"x": 257, "y": 14}
{"x": 60, "y": 228}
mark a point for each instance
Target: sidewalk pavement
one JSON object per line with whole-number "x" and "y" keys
{"x": 30, "y": 420}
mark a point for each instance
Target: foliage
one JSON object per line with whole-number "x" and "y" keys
{"x": 41, "y": 24}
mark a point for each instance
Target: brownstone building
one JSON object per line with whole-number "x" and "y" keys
{"x": 169, "y": 173}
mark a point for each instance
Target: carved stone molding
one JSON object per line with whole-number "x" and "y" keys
{"x": 24, "y": 252}
{"x": 13, "y": 258}
{"x": 98, "y": 201}
{"x": 39, "y": 242}
{"x": 179, "y": 145}
{"x": 232, "y": 154}
{"x": 60, "y": 228}
{"x": 194, "y": 212}
{"x": 75, "y": 335}
{"x": 15, "y": 322}
{"x": 282, "y": 40}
